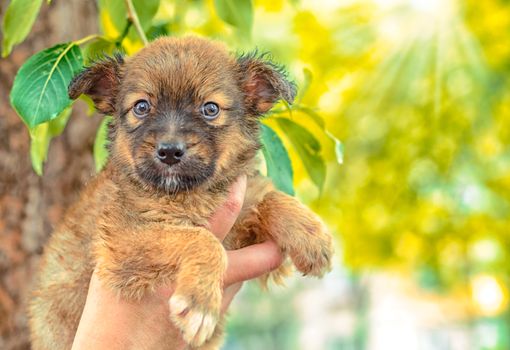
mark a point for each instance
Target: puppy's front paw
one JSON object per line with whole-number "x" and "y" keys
{"x": 312, "y": 253}
{"x": 196, "y": 314}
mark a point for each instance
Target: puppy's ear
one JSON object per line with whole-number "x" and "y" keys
{"x": 263, "y": 83}
{"x": 100, "y": 82}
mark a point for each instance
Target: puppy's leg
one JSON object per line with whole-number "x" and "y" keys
{"x": 297, "y": 230}
{"x": 192, "y": 258}
{"x": 216, "y": 341}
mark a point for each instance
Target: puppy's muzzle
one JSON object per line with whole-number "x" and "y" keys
{"x": 170, "y": 153}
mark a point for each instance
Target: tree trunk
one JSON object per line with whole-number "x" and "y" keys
{"x": 30, "y": 206}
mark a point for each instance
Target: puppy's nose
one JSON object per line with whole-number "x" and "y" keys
{"x": 170, "y": 153}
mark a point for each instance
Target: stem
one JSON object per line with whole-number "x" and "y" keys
{"x": 118, "y": 42}
{"x": 133, "y": 17}
{"x": 87, "y": 38}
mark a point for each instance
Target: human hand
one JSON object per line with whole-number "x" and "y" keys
{"x": 109, "y": 322}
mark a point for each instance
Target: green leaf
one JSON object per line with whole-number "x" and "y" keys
{"x": 41, "y": 136}
{"x": 238, "y": 13}
{"x": 90, "y": 104}
{"x": 57, "y": 125}
{"x": 288, "y": 107}
{"x": 40, "y": 141}
{"x": 157, "y": 30}
{"x": 305, "y": 86}
{"x": 308, "y": 149}
{"x": 39, "y": 92}
{"x": 279, "y": 167}
{"x": 100, "y": 143}
{"x": 98, "y": 49}
{"x": 18, "y": 20}
{"x": 146, "y": 10}
{"x": 339, "y": 147}
{"x": 116, "y": 9}
{"x": 317, "y": 119}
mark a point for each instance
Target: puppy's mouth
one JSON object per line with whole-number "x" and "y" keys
{"x": 182, "y": 176}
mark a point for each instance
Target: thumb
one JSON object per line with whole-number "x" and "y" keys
{"x": 225, "y": 217}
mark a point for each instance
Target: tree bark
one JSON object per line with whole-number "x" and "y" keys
{"x": 30, "y": 206}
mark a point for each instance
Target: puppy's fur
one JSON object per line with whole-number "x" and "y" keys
{"x": 140, "y": 222}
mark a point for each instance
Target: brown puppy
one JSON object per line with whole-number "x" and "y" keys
{"x": 185, "y": 127}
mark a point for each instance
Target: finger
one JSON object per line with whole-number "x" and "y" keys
{"x": 228, "y": 295}
{"x": 225, "y": 217}
{"x": 252, "y": 261}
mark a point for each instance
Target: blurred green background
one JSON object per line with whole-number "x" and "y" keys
{"x": 419, "y": 202}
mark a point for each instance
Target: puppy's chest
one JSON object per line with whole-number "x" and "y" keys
{"x": 192, "y": 211}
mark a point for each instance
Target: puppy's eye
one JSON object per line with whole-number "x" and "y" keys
{"x": 141, "y": 108}
{"x": 210, "y": 110}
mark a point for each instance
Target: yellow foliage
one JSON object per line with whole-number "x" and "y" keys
{"x": 109, "y": 29}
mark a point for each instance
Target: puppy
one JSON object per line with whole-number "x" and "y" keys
{"x": 185, "y": 127}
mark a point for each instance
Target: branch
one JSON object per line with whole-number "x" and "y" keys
{"x": 87, "y": 38}
{"x": 133, "y": 17}
{"x": 120, "y": 39}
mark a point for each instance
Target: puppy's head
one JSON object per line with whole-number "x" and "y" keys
{"x": 185, "y": 110}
